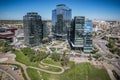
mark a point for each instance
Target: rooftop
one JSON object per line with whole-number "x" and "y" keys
{"x": 7, "y": 32}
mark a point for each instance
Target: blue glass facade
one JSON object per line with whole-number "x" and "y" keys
{"x": 81, "y": 34}
{"x": 88, "y": 29}
{"x": 77, "y": 30}
{"x": 61, "y": 20}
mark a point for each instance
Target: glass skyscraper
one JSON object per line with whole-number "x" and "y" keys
{"x": 33, "y": 29}
{"x": 77, "y": 30}
{"x": 81, "y": 34}
{"x": 88, "y": 29}
{"x": 61, "y": 20}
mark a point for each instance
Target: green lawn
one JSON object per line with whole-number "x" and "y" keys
{"x": 34, "y": 74}
{"x": 83, "y": 71}
{"x": 54, "y": 69}
{"x": 49, "y": 68}
{"x": 38, "y": 75}
{"x": 50, "y": 61}
{"x": 20, "y": 57}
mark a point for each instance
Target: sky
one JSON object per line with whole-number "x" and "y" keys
{"x": 92, "y": 9}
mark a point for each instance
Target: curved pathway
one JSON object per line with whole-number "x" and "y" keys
{"x": 24, "y": 67}
{"x": 47, "y": 71}
{"x": 62, "y": 69}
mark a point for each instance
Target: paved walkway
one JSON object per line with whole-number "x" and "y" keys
{"x": 47, "y": 71}
{"x": 12, "y": 61}
{"x": 62, "y": 69}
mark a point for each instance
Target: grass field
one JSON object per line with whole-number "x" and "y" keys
{"x": 50, "y": 61}
{"x": 83, "y": 71}
{"x": 34, "y": 74}
{"x": 20, "y": 57}
{"x": 49, "y": 68}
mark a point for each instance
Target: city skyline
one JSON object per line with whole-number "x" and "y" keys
{"x": 92, "y": 9}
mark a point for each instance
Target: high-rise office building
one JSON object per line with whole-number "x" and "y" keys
{"x": 81, "y": 34}
{"x": 88, "y": 29}
{"x": 46, "y": 30}
{"x": 33, "y": 29}
{"x": 77, "y": 30}
{"x": 61, "y": 20}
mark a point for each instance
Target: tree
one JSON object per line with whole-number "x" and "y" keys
{"x": 28, "y": 51}
{"x": 44, "y": 40}
{"x": 112, "y": 47}
{"x": 111, "y": 43}
{"x": 90, "y": 57}
{"x": 64, "y": 60}
{"x": 98, "y": 56}
{"x": 5, "y": 49}
{"x": 116, "y": 51}
{"x": 1, "y": 43}
{"x": 55, "y": 57}
{"x": 32, "y": 59}
{"x": 5, "y": 46}
{"x": 34, "y": 56}
{"x": 94, "y": 51}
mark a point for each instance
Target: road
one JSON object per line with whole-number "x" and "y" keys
{"x": 101, "y": 45}
{"x": 108, "y": 32}
{"x": 104, "y": 51}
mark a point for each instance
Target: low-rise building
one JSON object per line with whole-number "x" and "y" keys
{"x": 7, "y": 33}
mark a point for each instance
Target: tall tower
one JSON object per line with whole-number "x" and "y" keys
{"x": 61, "y": 20}
{"x": 88, "y": 29}
{"x": 77, "y": 31}
{"x": 33, "y": 29}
